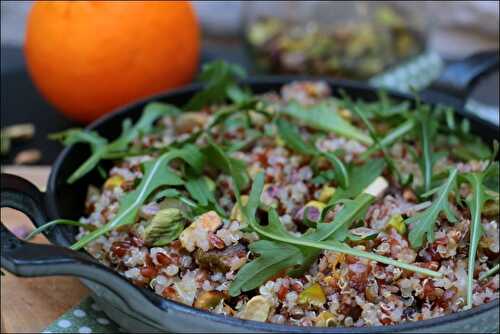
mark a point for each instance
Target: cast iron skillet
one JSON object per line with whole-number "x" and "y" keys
{"x": 139, "y": 309}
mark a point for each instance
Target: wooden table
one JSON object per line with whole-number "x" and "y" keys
{"x": 28, "y": 305}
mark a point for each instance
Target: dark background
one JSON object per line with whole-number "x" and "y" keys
{"x": 21, "y": 103}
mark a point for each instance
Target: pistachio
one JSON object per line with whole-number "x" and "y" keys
{"x": 114, "y": 181}
{"x": 196, "y": 234}
{"x": 397, "y": 222}
{"x": 256, "y": 309}
{"x": 325, "y": 319}
{"x": 165, "y": 227}
{"x": 208, "y": 300}
{"x": 236, "y": 213}
{"x": 377, "y": 187}
{"x": 313, "y": 295}
{"x": 326, "y": 193}
{"x": 188, "y": 121}
{"x": 345, "y": 114}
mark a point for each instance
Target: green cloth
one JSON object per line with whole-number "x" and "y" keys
{"x": 418, "y": 73}
{"x": 83, "y": 318}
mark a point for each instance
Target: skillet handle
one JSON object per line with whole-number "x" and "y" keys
{"x": 32, "y": 260}
{"x": 458, "y": 79}
{"x": 28, "y": 259}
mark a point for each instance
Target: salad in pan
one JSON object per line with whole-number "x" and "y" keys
{"x": 301, "y": 206}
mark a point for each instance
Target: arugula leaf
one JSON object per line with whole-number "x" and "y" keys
{"x": 292, "y": 138}
{"x": 216, "y": 157}
{"x": 426, "y": 128}
{"x": 383, "y": 107}
{"x": 274, "y": 258}
{"x": 490, "y": 272}
{"x": 166, "y": 193}
{"x": 324, "y": 116}
{"x": 363, "y": 176}
{"x": 424, "y": 221}
{"x": 387, "y": 157}
{"x": 390, "y": 138}
{"x": 220, "y": 80}
{"x": 75, "y": 135}
{"x": 101, "y": 148}
{"x": 476, "y": 203}
{"x": 471, "y": 148}
{"x": 45, "y": 226}
{"x": 156, "y": 174}
{"x": 492, "y": 177}
{"x": 97, "y": 144}
{"x": 198, "y": 189}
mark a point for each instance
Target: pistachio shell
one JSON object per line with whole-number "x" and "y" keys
{"x": 325, "y": 319}
{"x": 256, "y": 309}
{"x": 326, "y": 193}
{"x": 114, "y": 181}
{"x": 165, "y": 227}
{"x": 209, "y": 299}
{"x": 397, "y": 222}
{"x": 313, "y": 295}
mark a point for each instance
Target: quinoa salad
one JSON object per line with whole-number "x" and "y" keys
{"x": 302, "y": 206}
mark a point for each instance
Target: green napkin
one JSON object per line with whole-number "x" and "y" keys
{"x": 83, "y": 318}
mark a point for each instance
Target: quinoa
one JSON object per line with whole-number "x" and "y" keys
{"x": 203, "y": 262}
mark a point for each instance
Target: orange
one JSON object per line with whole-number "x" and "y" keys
{"x": 88, "y": 57}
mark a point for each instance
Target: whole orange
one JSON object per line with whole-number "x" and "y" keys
{"x": 88, "y": 57}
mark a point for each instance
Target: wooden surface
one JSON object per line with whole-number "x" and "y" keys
{"x": 28, "y": 305}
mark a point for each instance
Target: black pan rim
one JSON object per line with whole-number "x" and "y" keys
{"x": 167, "y": 305}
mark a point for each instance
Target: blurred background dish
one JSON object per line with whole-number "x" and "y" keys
{"x": 354, "y": 40}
